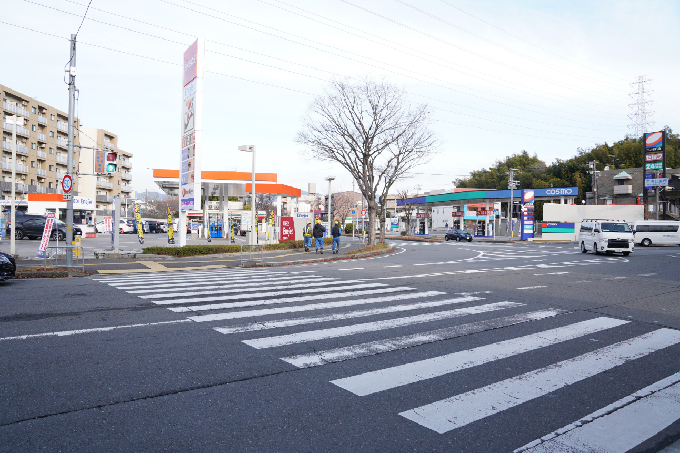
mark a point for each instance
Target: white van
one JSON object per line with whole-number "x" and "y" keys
{"x": 606, "y": 236}
{"x": 660, "y": 232}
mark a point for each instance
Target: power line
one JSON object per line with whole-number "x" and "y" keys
{"x": 506, "y": 48}
{"x": 419, "y": 53}
{"x": 357, "y": 61}
{"x": 462, "y": 48}
{"x": 527, "y": 42}
{"x": 83, "y": 20}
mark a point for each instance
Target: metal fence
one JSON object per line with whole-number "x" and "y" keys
{"x": 252, "y": 254}
{"x": 55, "y": 256}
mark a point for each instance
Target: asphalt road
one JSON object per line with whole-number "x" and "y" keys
{"x": 437, "y": 347}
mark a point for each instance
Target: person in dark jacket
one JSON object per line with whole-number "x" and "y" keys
{"x": 336, "y": 233}
{"x": 318, "y": 232}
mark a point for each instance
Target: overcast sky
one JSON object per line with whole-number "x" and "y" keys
{"x": 547, "y": 77}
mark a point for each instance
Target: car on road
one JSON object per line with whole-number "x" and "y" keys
{"x": 657, "y": 232}
{"x": 8, "y": 267}
{"x": 606, "y": 236}
{"x": 457, "y": 235}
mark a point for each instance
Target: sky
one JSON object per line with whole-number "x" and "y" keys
{"x": 499, "y": 76}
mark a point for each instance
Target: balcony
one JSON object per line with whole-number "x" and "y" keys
{"x": 15, "y": 109}
{"x": 38, "y": 189}
{"x": 41, "y": 172}
{"x": 62, "y": 126}
{"x": 41, "y": 155}
{"x": 42, "y": 137}
{"x": 20, "y": 130}
{"x": 60, "y": 175}
{"x": 42, "y": 120}
{"x": 108, "y": 144}
{"x": 62, "y": 143}
{"x": 105, "y": 184}
{"x": 104, "y": 199}
{"x": 623, "y": 190}
{"x": 126, "y": 175}
{"x": 62, "y": 160}
{"x": 126, "y": 188}
{"x": 19, "y": 168}
{"x": 126, "y": 163}
{"x": 21, "y": 149}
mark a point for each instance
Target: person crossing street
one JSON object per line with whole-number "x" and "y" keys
{"x": 336, "y": 233}
{"x": 318, "y": 232}
{"x": 307, "y": 235}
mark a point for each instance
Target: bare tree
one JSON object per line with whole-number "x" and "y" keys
{"x": 373, "y": 132}
{"x": 408, "y": 204}
{"x": 342, "y": 205}
{"x": 265, "y": 202}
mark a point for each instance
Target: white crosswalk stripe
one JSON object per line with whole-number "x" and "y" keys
{"x": 293, "y": 310}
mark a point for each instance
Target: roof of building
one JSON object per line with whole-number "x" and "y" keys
{"x": 623, "y": 175}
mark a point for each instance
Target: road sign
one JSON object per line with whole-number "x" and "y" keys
{"x": 656, "y": 182}
{"x": 354, "y": 212}
{"x": 363, "y": 212}
{"x": 67, "y": 196}
{"x": 67, "y": 183}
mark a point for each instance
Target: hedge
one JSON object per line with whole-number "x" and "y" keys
{"x": 192, "y": 250}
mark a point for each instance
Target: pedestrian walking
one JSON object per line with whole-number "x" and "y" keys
{"x": 318, "y": 232}
{"x": 336, "y": 233}
{"x": 307, "y": 234}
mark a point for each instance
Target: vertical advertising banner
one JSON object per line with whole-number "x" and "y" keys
{"x": 171, "y": 231}
{"x": 138, "y": 220}
{"x": 527, "y": 218}
{"x": 191, "y": 128}
{"x": 47, "y": 232}
{"x": 287, "y": 229}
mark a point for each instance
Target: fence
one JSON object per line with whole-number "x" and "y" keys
{"x": 252, "y": 253}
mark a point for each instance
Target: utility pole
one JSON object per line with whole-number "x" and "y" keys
{"x": 593, "y": 170}
{"x": 512, "y": 185}
{"x": 69, "y": 160}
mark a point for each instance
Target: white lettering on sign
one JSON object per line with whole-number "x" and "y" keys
{"x": 653, "y": 157}
{"x": 567, "y": 191}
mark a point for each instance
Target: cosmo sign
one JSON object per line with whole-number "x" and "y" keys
{"x": 191, "y": 127}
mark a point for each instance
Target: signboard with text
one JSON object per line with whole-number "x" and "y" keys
{"x": 47, "y": 232}
{"x": 527, "y": 216}
{"x": 191, "y": 127}
{"x": 287, "y": 229}
{"x": 656, "y": 182}
{"x": 654, "y": 169}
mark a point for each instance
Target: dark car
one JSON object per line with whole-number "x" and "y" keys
{"x": 154, "y": 226}
{"x": 8, "y": 267}
{"x": 33, "y": 229}
{"x": 19, "y": 217}
{"x": 458, "y": 235}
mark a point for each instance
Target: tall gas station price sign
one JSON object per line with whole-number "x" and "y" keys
{"x": 527, "y": 219}
{"x": 654, "y": 166}
{"x": 192, "y": 132}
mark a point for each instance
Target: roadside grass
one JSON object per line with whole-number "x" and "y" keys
{"x": 195, "y": 250}
{"x": 369, "y": 249}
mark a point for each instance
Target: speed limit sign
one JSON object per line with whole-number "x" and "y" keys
{"x": 67, "y": 183}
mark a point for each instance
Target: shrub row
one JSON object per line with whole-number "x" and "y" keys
{"x": 192, "y": 250}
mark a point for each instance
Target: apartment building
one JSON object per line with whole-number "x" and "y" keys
{"x": 41, "y": 147}
{"x": 103, "y": 187}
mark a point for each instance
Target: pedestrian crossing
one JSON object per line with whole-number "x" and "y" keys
{"x": 311, "y": 321}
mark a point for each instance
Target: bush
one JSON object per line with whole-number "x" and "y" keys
{"x": 404, "y": 233}
{"x": 193, "y": 250}
{"x": 349, "y": 228}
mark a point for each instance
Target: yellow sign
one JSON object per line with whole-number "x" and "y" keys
{"x": 171, "y": 232}
{"x": 76, "y": 252}
{"x": 140, "y": 228}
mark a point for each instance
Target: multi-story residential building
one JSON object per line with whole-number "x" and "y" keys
{"x": 41, "y": 147}
{"x": 103, "y": 187}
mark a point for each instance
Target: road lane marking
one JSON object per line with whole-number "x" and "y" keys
{"x": 645, "y": 413}
{"x": 66, "y": 333}
{"x": 532, "y": 287}
{"x": 389, "y": 378}
{"x": 352, "y": 269}
{"x": 392, "y": 344}
{"x": 171, "y": 286}
{"x": 249, "y": 288}
{"x": 346, "y": 315}
{"x": 460, "y": 410}
{"x": 313, "y": 335}
{"x": 273, "y": 293}
{"x": 254, "y": 303}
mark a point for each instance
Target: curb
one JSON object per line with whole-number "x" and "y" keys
{"x": 326, "y": 260}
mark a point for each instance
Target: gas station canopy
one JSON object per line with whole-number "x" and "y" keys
{"x": 168, "y": 180}
{"x": 274, "y": 189}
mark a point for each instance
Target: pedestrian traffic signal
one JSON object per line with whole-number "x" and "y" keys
{"x": 111, "y": 162}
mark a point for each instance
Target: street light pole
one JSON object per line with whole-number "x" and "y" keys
{"x": 69, "y": 160}
{"x": 253, "y": 239}
{"x": 512, "y": 185}
{"x": 330, "y": 219}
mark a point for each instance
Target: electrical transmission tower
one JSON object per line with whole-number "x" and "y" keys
{"x": 641, "y": 97}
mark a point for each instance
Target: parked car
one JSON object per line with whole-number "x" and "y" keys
{"x": 8, "y": 267}
{"x": 154, "y": 226}
{"x": 458, "y": 235}
{"x": 20, "y": 217}
{"x": 163, "y": 226}
{"x": 34, "y": 227}
{"x": 126, "y": 227}
{"x": 606, "y": 236}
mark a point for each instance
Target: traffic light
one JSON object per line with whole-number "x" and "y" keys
{"x": 111, "y": 161}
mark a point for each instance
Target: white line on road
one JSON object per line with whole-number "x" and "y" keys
{"x": 352, "y": 269}
{"x": 338, "y": 289}
{"x": 182, "y": 274}
{"x": 451, "y": 413}
{"x": 171, "y": 286}
{"x": 620, "y": 426}
{"x": 313, "y": 335}
{"x": 66, "y": 333}
{"x": 388, "y": 378}
{"x": 262, "y": 286}
{"x": 532, "y": 287}
{"x": 262, "y": 325}
{"x": 394, "y": 265}
{"x": 392, "y": 344}
{"x": 254, "y": 303}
